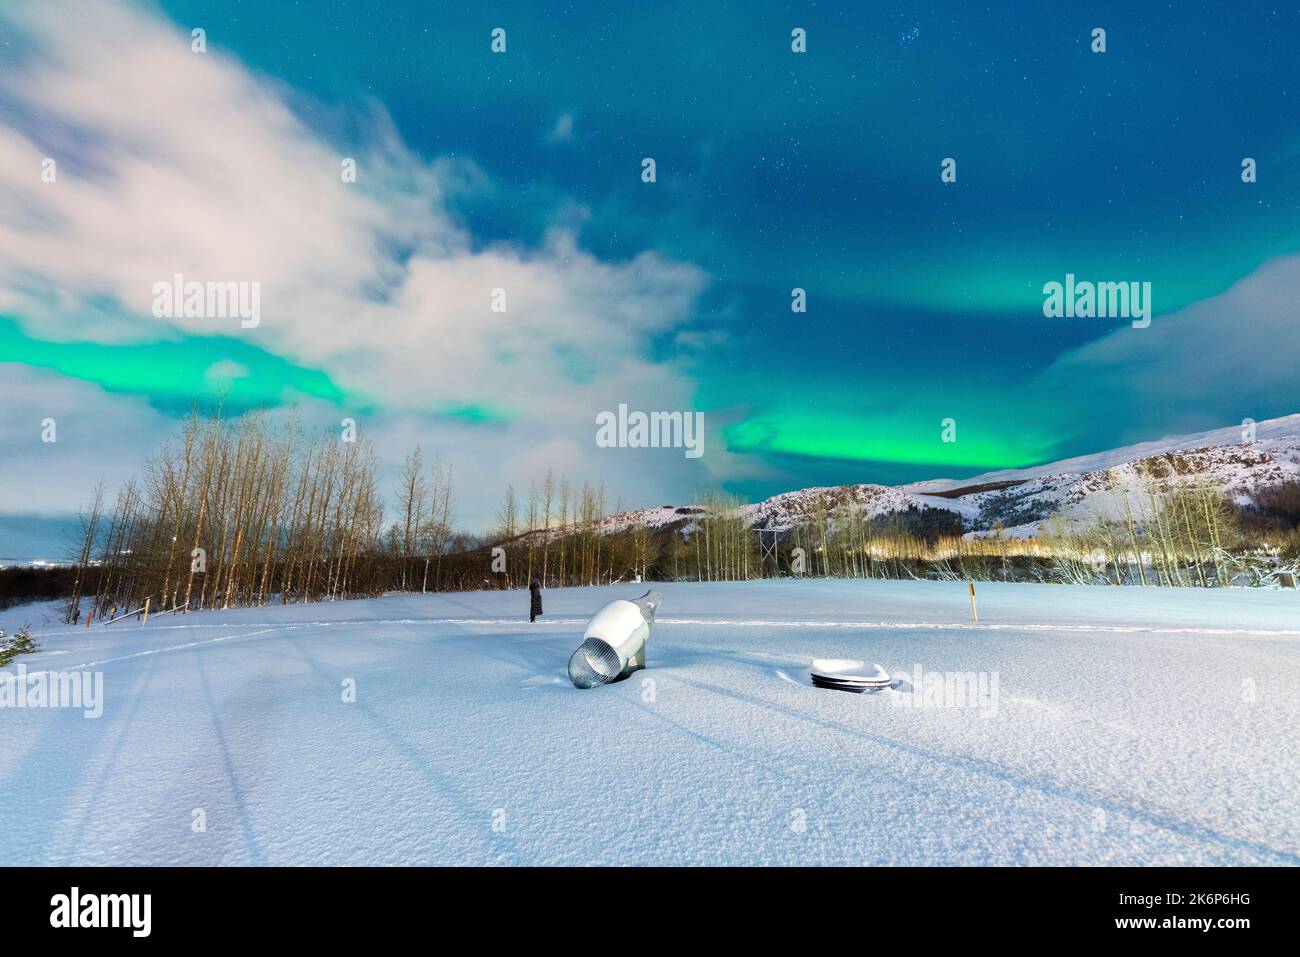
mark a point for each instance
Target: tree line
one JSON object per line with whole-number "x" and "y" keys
{"x": 237, "y": 512}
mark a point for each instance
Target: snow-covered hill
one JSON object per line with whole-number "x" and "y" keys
{"x": 1021, "y": 501}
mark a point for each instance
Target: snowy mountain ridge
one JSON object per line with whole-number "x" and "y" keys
{"x": 1020, "y": 502}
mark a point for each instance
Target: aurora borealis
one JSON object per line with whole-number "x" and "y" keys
{"x": 775, "y": 170}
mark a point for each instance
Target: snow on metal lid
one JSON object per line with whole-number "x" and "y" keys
{"x": 849, "y": 669}
{"x": 615, "y": 621}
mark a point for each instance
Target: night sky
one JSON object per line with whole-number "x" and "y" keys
{"x": 775, "y": 170}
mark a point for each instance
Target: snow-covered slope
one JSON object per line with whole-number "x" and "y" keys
{"x": 1131, "y": 726}
{"x": 1021, "y": 501}
{"x": 1240, "y": 471}
{"x": 1283, "y": 432}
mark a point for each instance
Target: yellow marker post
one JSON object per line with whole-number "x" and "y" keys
{"x": 973, "y": 613}
{"x": 146, "y": 607}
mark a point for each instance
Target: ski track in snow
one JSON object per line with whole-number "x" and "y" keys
{"x": 1158, "y": 817}
{"x": 711, "y": 622}
{"x": 1110, "y": 742}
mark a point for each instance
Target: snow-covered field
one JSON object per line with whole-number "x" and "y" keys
{"x": 1129, "y": 726}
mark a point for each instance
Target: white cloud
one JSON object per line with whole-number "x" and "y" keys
{"x": 97, "y": 436}
{"x": 223, "y": 371}
{"x": 1214, "y": 362}
{"x": 175, "y": 162}
{"x": 562, "y": 132}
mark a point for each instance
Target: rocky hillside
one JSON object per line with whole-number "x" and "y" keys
{"x": 1021, "y": 501}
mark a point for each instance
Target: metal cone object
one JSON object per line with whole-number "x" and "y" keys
{"x": 614, "y": 643}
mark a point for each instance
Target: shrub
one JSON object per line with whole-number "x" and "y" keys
{"x": 19, "y": 644}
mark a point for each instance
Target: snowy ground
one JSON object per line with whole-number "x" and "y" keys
{"x": 1131, "y": 726}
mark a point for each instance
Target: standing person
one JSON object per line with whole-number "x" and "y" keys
{"x": 535, "y": 591}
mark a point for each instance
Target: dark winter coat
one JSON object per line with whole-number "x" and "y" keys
{"x": 535, "y": 589}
